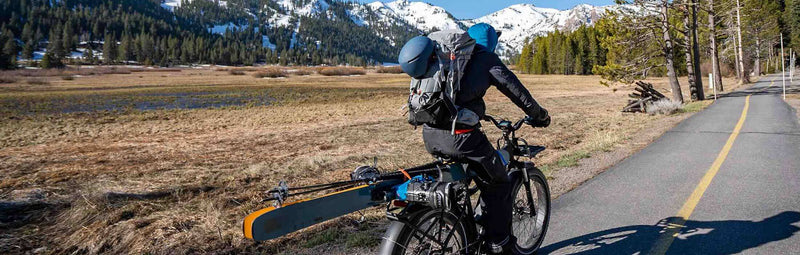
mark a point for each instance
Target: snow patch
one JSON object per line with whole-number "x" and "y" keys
{"x": 172, "y": 4}
{"x": 220, "y": 29}
{"x": 266, "y": 43}
{"x": 39, "y": 54}
{"x": 310, "y": 9}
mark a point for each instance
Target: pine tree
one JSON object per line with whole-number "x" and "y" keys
{"x": 109, "y": 49}
{"x": 50, "y": 60}
{"x": 45, "y": 62}
{"x": 10, "y": 52}
{"x": 526, "y": 57}
{"x": 5, "y": 59}
{"x": 631, "y": 49}
{"x": 791, "y": 17}
{"x": 125, "y": 49}
{"x": 27, "y": 51}
{"x": 55, "y": 45}
{"x": 27, "y": 32}
{"x": 184, "y": 56}
{"x": 66, "y": 39}
{"x": 88, "y": 56}
{"x": 761, "y": 26}
{"x": 540, "y": 63}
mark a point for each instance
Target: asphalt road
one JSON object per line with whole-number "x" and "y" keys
{"x": 721, "y": 182}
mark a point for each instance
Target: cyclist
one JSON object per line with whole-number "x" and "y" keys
{"x": 483, "y": 70}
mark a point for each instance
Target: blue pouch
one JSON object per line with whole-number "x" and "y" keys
{"x": 401, "y": 190}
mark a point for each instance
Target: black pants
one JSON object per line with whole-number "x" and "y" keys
{"x": 493, "y": 180}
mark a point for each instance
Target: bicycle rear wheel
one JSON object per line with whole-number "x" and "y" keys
{"x": 428, "y": 232}
{"x": 529, "y": 225}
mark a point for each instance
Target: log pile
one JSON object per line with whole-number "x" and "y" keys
{"x": 644, "y": 94}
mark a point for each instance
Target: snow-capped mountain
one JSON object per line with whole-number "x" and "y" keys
{"x": 520, "y": 21}
{"x": 517, "y": 22}
{"x": 423, "y": 16}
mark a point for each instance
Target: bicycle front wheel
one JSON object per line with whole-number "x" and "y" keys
{"x": 531, "y": 210}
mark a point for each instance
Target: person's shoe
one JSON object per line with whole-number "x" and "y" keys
{"x": 504, "y": 248}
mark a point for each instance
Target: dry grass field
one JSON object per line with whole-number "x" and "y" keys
{"x": 125, "y": 163}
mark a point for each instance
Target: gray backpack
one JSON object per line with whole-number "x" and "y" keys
{"x": 432, "y": 99}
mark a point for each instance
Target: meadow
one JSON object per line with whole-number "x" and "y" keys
{"x": 171, "y": 161}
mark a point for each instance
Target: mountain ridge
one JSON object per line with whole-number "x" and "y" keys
{"x": 517, "y": 22}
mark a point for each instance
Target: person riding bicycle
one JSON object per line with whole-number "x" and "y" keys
{"x": 466, "y": 142}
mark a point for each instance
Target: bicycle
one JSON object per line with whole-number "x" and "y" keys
{"x": 438, "y": 216}
{"x": 431, "y": 205}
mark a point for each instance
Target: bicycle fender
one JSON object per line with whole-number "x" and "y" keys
{"x": 272, "y": 222}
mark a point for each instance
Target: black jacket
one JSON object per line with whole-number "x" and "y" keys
{"x": 484, "y": 70}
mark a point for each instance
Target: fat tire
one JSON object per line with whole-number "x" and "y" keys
{"x": 535, "y": 175}
{"x": 400, "y": 234}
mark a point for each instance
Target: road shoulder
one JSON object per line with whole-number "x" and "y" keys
{"x": 566, "y": 179}
{"x": 794, "y": 101}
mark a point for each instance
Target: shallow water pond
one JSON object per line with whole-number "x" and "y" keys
{"x": 94, "y": 102}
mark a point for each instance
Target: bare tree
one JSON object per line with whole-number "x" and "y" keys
{"x": 698, "y": 94}
{"x": 712, "y": 31}
{"x": 687, "y": 44}
{"x": 692, "y": 52}
{"x": 668, "y": 52}
{"x": 743, "y": 75}
{"x": 729, "y": 45}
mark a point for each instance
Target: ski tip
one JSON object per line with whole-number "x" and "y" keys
{"x": 247, "y": 225}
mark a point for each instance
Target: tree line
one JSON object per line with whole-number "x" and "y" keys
{"x": 575, "y": 52}
{"x": 671, "y": 38}
{"x": 141, "y": 31}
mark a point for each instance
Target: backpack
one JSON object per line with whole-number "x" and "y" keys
{"x": 431, "y": 99}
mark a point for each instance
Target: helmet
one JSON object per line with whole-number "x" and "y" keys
{"x": 415, "y": 55}
{"x": 484, "y": 34}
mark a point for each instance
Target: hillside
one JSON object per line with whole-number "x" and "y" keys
{"x": 243, "y": 32}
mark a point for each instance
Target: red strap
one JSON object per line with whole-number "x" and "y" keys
{"x": 463, "y": 131}
{"x": 408, "y": 176}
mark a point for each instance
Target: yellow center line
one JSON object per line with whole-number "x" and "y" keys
{"x": 673, "y": 228}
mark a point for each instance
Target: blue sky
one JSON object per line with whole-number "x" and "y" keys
{"x": 468, "y": 9}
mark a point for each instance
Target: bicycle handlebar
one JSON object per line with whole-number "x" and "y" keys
{"x": 504, "y": 124}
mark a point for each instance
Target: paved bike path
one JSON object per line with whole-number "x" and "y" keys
{"x": 735, "y": 175}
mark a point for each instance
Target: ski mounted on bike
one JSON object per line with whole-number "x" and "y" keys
{"x": 424, "y": 202}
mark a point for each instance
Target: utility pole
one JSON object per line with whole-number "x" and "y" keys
{"x": 783, "y": 68}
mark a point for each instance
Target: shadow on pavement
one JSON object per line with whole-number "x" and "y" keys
{"x": 697, "y": 237}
